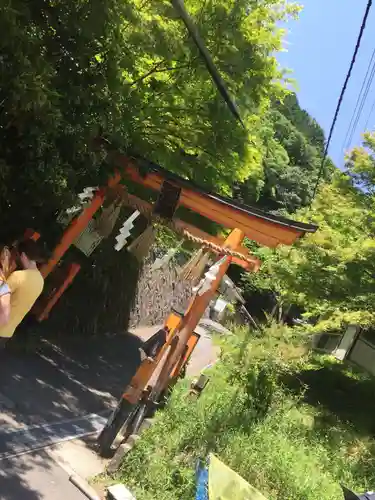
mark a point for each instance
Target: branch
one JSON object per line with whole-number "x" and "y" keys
{"x": 143, "y": 4}
{"x": 176, "y": 136}
{"x": 177, "y": 108}
{"x": 152, "y": 70}
{"x": 156, "y": 70}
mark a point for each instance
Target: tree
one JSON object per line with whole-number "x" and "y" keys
{"x": 54, "y": 98}
{"x": 293, "y": 146}
{"x": 129, "y": 70}
{"x": 330, "y": 274}
{"x": 302, "y": 120}
{"x": 361, "y": 165}
{"x": 177, "y": 114}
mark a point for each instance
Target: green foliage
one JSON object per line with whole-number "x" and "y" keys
{"x": 54, "y": 99}
{"x": 166, "y": 238}
{"x": 330, "y": 273}
{"x": 256, "y": 417}
{"x": 361, "y": 164}
{"x": 292, "y": 146}
{"x": 303, "y": 122}
{"x": 128, "y": 70}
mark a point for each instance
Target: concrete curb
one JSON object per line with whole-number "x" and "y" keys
{"x": 78, "y": 481}
{"x": 120, "y": 492}
{"x": 83, "y": 487}
{"x": 126, "y": 447}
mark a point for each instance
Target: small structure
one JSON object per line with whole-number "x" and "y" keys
{"x": 356, "y": 345}
{"x": 218, "y": 308}
{"x": 228, "y": 297}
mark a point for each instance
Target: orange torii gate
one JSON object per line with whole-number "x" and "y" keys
{"x": 178, "y": 339}
{"x": 264, "y": 228}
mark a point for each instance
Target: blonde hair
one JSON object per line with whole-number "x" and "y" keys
{"x": 5, "y": 263}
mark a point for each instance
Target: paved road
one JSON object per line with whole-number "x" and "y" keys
{"x": 35, "y": 476}
{"x": 65, "y": 379}
{"x": 59, "y": 390}
{"x": 44, "y": 395}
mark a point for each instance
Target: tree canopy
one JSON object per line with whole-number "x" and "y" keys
{"x": 330, "y": 274}
{"x": 292, "y": 151}
{"x": 129, "y": 70}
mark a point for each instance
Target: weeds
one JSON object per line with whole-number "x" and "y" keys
{"x": 270, "y": 431}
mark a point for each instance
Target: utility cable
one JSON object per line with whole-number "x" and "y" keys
{"x": 343, "y": 90}
{"x": 349, "y": 133}
{"x": 369, "y": 116}
{"x": 206, "y": 56}
{"x": 363, "y": 102}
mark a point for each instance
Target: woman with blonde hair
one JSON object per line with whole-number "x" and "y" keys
{"x": 6, "y": 268}
{"x": 5, "y": 263}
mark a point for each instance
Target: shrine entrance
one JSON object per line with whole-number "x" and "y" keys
{"x": 169, "y": 350}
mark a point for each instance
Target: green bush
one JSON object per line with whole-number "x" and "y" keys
{"x": 258, "y": 426}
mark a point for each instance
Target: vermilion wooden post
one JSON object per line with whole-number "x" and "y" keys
{"x": 196, "y": 310}
{"x": 52, "y": 299}
{"x": 184, "y": 360}
{"x": 185, "y": 329}
{"x": 76, "y": 227}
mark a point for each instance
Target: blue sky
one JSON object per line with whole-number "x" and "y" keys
{"x": 319, "y": 49}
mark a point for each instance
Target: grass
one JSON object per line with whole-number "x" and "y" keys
{"x": 290, "y": 435}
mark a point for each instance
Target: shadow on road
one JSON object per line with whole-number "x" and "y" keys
{"x": 14, "y": 481}
{"x": 69, "y": 377}
{"x": 35, "y": 476}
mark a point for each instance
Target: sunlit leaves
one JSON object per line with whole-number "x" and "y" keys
{"x": 129, "y": 70}
{"x": 331, "y": 273}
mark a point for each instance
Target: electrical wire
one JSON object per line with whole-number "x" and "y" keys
{"x": 351, "y": 128}
{"x": 206, "y": 56}
{"x": 369, "y": 116}
{"x": 343, "y": 90}
{"x": 363, "y": 102}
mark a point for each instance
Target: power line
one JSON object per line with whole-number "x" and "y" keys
{"x": 361, "y": 99}
{"x": 350, "y": 132}
{"x": 343, "y": 90}
{"x": 206, "y": 56}
{"x": 363, "y": 102}
{"x": 369, "y": 115}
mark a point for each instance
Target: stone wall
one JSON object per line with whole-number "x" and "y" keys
{"x": 157, "y": 293}
{"x": 113, "y": 293}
